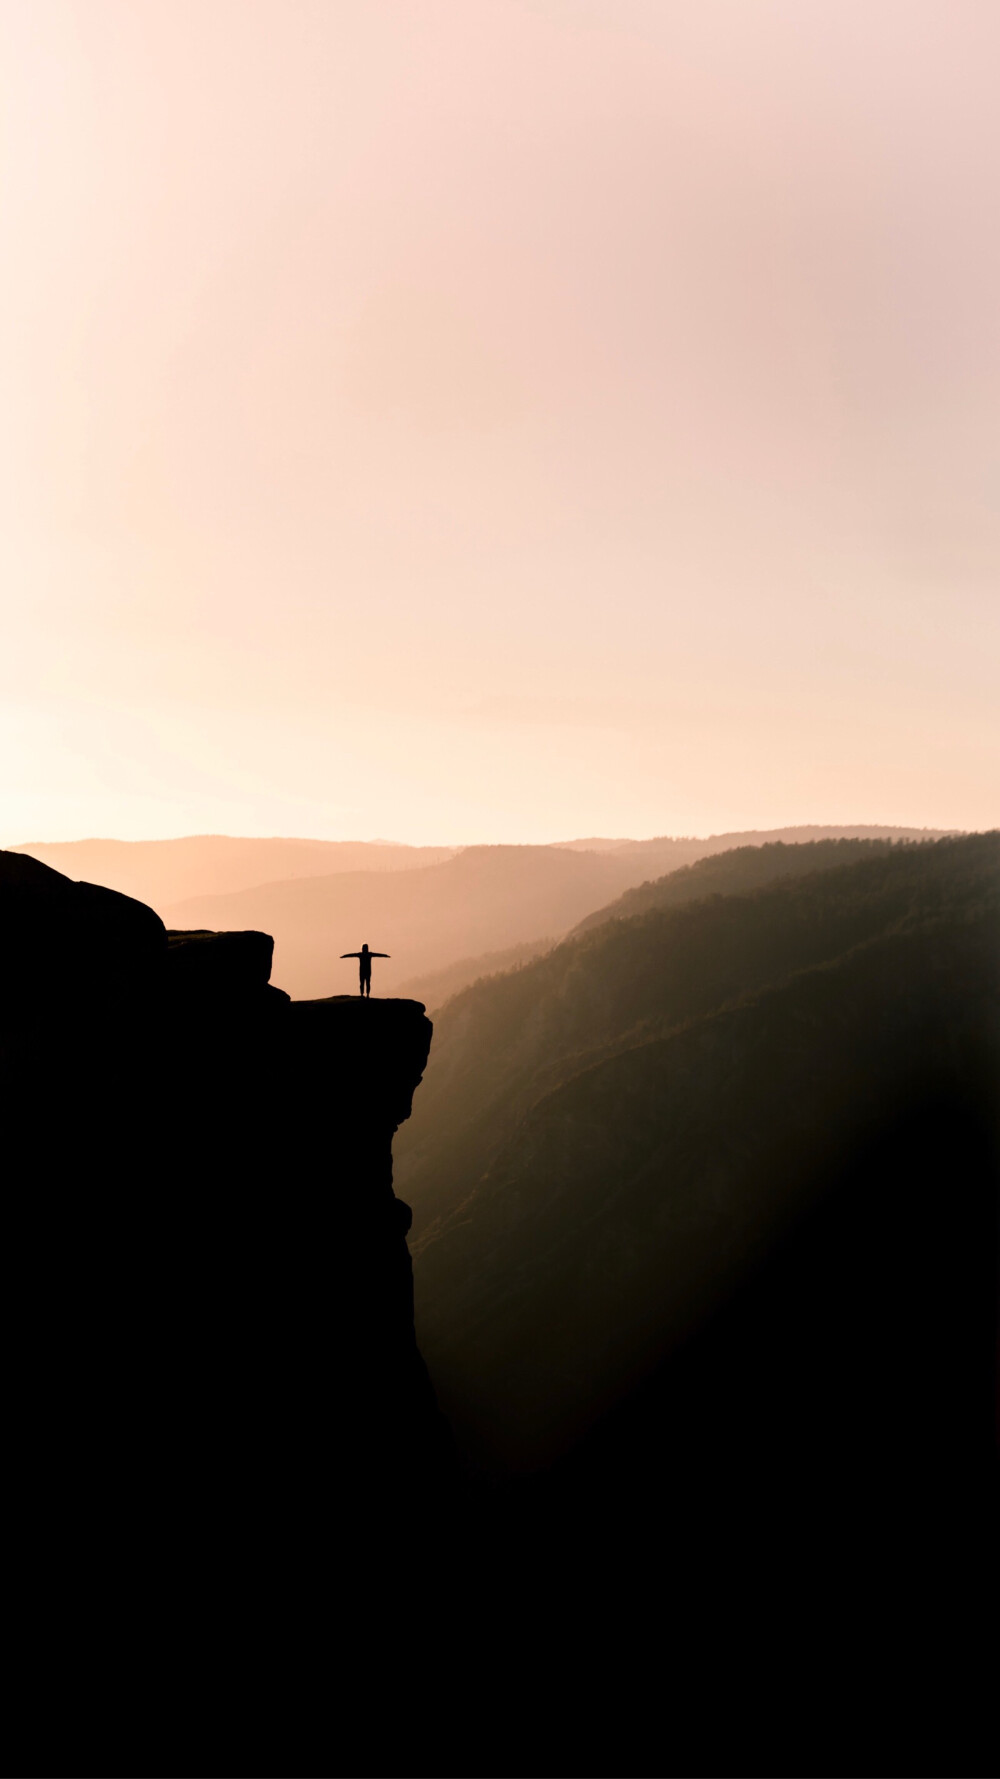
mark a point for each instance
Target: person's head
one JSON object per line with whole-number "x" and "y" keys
{"x": 365, "y": 946}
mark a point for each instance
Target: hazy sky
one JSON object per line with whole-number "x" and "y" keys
{"x": 498, "y": 419}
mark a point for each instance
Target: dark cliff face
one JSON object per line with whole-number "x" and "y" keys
{"x": 210, "y": 1336}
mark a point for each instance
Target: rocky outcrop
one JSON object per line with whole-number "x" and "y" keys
{"x": 210, "y": 1350}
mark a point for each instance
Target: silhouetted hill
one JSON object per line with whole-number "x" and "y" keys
{"x": 162, "y": 872}
{"x": 613, "y": 1132}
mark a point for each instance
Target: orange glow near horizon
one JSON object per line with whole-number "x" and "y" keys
{"x": 469, "y": 420}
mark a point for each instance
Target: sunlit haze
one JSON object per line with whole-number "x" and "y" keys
{"x": 498, "y": 420}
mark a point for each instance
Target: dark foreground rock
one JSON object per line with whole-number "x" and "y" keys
{"x": 213, "y": 1393}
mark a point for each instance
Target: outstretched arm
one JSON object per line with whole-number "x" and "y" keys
{"x": 380, "y": 954}
{"x": 352, "y": 954}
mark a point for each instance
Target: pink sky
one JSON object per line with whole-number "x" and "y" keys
{"x": 498, "y": 419}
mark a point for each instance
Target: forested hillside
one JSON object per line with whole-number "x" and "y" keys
{"x": 736, "y": 872}
{"x": 743, "y": 868}
{"x": 500, "y": 1044}
{"x": 626, "y": 1124}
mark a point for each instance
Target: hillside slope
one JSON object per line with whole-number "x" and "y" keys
{"x": 438, "y": 986}
{"x": 728, "y": 873}
{"x": 636, "y": 1131}
{"x": 500, "y": 1044}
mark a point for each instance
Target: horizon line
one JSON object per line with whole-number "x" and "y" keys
{"x": 466, "y": 845}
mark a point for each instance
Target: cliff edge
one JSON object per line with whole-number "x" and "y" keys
{"x": 211, "y": 1359}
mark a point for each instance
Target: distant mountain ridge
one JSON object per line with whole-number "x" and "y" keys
{"x": 676, "y": 850}
{"x": 160, "y": 872}
{"x": 482, "y": 899}
{"x": 436, "y": 908}
{"x": 167, "y": 871}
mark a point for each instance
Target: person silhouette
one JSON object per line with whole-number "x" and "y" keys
{"x": 364, "y": 957}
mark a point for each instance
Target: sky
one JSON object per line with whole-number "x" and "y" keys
{"x": 498, "y": 420}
